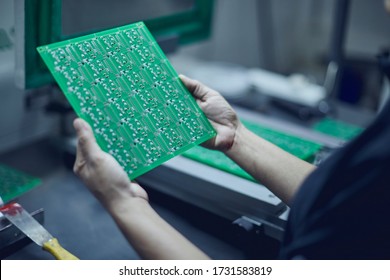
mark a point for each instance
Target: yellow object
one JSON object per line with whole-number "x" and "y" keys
{"x": 18, "y": 216}
{"x": 54, "y": 248}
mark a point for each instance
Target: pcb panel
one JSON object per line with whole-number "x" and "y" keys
{"x": 14, "y": 183}
{"x": 337, "y": 128}
{"x": 122, "y": 84}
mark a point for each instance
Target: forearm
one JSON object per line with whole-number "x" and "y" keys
{"x": 149, "y": 234}
{"x": 278, "y": 170}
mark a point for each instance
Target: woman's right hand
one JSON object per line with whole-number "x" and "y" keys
{"x": 220, "y": 114}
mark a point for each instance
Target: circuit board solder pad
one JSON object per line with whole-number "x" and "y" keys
{"x": 122, "y": 84}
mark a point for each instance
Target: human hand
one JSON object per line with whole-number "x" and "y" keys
{"x": 221, "y": 115}
{"x": 100, "y": 172}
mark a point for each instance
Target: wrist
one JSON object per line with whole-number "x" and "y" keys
{"x": 239, "y": 135}
{"x": 118, "y": 195}
{"x": 132, "y": 205}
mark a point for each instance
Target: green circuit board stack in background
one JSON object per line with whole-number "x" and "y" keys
{"x": 337, "y": 128}
{"x": 122, "y": 84}
{"x": 14, "y": 183}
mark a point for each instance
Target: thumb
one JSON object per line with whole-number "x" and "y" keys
{"x": 86, "y": 144}
{"x": 196, "y": 88}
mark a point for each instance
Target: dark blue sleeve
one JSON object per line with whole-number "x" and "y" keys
{"x": 342, "y": 209}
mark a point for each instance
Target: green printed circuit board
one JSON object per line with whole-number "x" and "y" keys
{"x": 14, "y": 183}
{"x": 122, "y": 84}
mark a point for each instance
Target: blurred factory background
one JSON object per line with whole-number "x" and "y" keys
{"x": 286, "y": 64}
{"x": 284, "y": 37}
